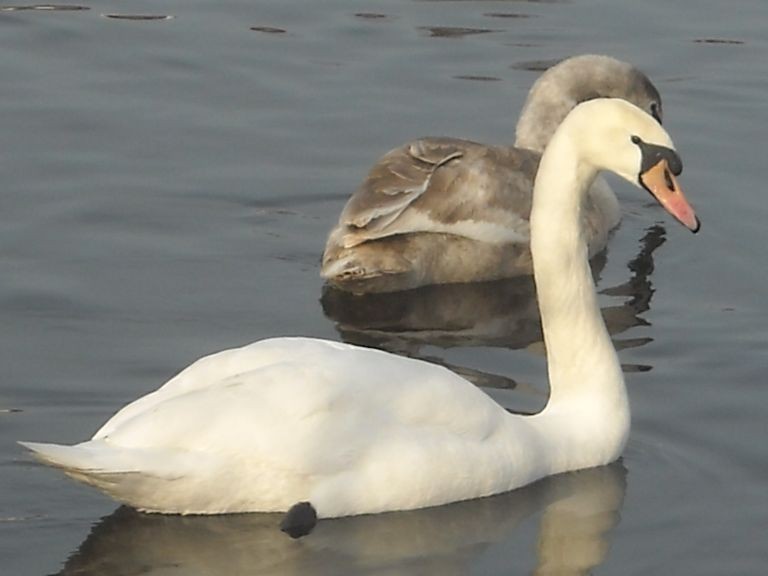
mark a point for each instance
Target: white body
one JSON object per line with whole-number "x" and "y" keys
{"x": 351, "y": 430}
{"x": 354, "y": 430}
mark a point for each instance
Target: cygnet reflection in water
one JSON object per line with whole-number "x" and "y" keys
{"x": 578, "y": 511}
{"x": 503, "y": 314}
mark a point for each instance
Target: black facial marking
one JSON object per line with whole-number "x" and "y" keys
{"x": 653, "y": 153}
{"x": 668, "y": 180}
{"x": 300, "y": 520}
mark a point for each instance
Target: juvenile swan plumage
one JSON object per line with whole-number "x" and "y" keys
{"x": 341, "y": 430}
{"x": 445, "y": 210}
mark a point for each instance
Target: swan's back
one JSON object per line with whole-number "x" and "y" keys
{"x": 302, "y": 375}
{"x": 293, "y": 379}
{"x": 212, "y": 370}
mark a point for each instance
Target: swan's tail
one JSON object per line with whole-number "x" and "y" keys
{"x": 125, "y": 474}
{"x": 88, "y": 458}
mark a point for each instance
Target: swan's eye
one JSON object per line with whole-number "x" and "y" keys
{"x": 636, "y": 140}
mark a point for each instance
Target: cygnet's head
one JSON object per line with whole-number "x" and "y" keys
{"x": 580, "y": 79}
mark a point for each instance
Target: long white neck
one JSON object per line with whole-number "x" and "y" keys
{"x": 588, "y": 412}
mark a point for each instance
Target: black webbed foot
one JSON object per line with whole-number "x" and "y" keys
{"x": 300, "y": 520}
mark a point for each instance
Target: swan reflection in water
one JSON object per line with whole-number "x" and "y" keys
{"x": 577, "y": 512}
{"x": 500, "y": 314}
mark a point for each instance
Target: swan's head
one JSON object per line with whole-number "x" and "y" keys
{"x": 580, "y": 79}
{"x": 614, "y": 135}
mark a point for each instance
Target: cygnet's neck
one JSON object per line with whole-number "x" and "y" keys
{"x": 544, "y": 110}
{"x": 588, "y": 402}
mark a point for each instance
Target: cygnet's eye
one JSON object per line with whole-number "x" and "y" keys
{"x": 655, "y": 111}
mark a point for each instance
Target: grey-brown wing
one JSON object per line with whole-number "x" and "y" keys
{"x": 394, "y": 182}
{"x": 441, "y": 185}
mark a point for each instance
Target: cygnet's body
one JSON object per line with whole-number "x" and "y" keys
{"x": 447, "y": 210}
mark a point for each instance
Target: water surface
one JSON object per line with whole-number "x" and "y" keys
{"x": 167, "y": 187}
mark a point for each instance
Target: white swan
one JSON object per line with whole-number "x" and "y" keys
{"x": 446, "y": 210}
{"x": 325, "y": 429}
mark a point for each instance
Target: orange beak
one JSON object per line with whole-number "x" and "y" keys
{"x": 660, "y": 182}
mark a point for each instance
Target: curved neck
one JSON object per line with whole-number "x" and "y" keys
{"x": 570, "y": 82}
{"x": 585, "y": 377}
{"x": 544, "y": 110}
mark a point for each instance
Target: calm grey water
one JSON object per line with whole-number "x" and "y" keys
{"x": 166, "y": 190}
